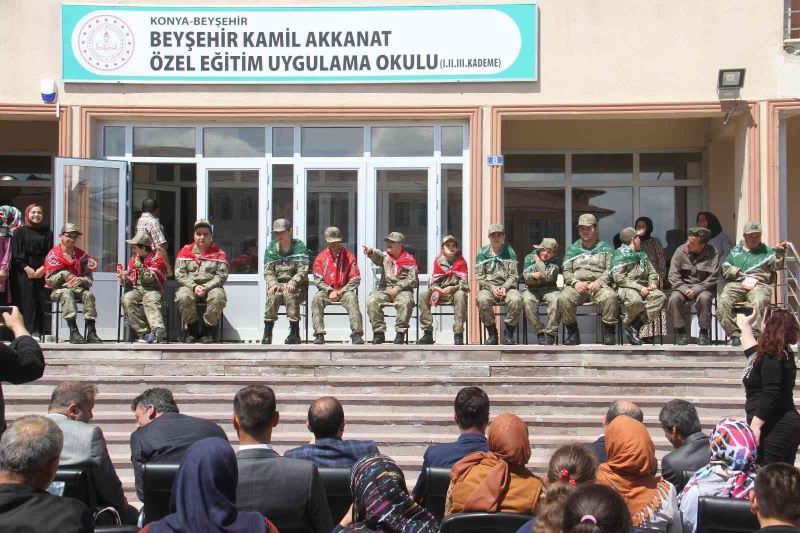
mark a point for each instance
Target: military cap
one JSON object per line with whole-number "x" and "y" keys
{"x": 69, "y": 227}
{"x": 496, "y": 228}
{"x": 627, "y": 235}
{"x": 699, "y": 231}
{"x": 753, "y": 227}
{"x": 333, "y": 234}
{"x": 141, "y": 239}
{"x": 587, "y": 219}
{"x": 202, "y": 222}
{"x": 448, "y": 238}
{"x": 281, "y": 224}
{"x": 548, "y": 244}
{"x": 395, "y": 236}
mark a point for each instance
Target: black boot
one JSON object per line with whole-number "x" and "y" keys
{"x": 491, "y": 335}
{"x": 540, "y": 338}
{"x": 267, "y": 338}
{"x": 610, "y": 335}
{"x": 209, "y": 333}
{"x": 319, "y": 339}
{"x": 632, "y": 332}
{"x": 194, "y": 331}
{"x": 91, "y": 333}
{"x": 356, "y": 338}
{"x": 549, "y": 340}
{"x": 427, "y": 338}
{"x": 573, "y": 335}
{"x": 379, "y": 337}
{"x": 681, "y": 337}
{"x": 75, "y": 336}
{"x": 508, "y": 335}
{"x": 400, "y": 338}
{"x": 458, "y": 339}
{"x": 704, "y": 339}
{"x": 294, "y": 333}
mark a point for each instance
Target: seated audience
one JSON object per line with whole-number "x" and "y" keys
{"x": 326, "y": 421}
{"x": 163, "y": 434}
{"x": 681, "y": 426}
{"x": 729, "y": 474}
{"x": 29, "y": 451}
{"x": 70, "y": 408}
{"x": 651, "y": 500}
{"x": 617, "y": 408}
{"x": 21, "y": 361}
{"x": 301, "y": 503}
{"x": 595, "y": 509}
{"x": 496, "y": 481}
{"x": 381, "y": 501}
{"x": 204, "y": 495}
{"x": 472, "y": 417}
{"x": 776, "y": 498}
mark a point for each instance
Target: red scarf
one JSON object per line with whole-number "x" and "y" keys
{"x": 458, "y": 268}
{"x": 213, "y": 253}
{"x": 336, "y": 271}
{"x": 406, "y": 260}
{"x": 152, "y": 263}
{"x": 56, "y": 260}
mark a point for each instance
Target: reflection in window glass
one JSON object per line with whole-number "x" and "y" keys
{"x": 402, "y": 141}
{"x": 403, "y": 206}
{"x": 602, "y": 166}
{"x": 673, "y": 210}
{"x": 28, "y": 168}
{"x": 662, "y": 167}
{"x": 282, "y": 192}
{"x": 233, "y": 142}
{"x": 163, "y": 142}
{"x": 531, "y": 215}
{"x": 233, "y": 212}
{"x": 332, "y": 142}
{"x": 613, "y": 207}
{"x": 452, "y": 207}
{"x": 114, "y": 141}
{"x": 522, "y": 168}
{"x": 332, "y": 201}
{"x": 452, "y": 140}
{"x": 282, "y": 142}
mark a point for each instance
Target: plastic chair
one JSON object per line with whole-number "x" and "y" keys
{"x": 337, "y": 487}
{"x": 484, "y": 522}
{"x": 434, "y": 493}
{"x": 157, "y": 480}
{"x": 725, "y": 515}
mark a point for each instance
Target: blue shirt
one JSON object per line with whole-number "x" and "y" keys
{"x": 449, "y": 454}
{"x": 334, "y": 453}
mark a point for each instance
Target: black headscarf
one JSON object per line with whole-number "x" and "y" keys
{"x": 713, "y": 223}
{"x": 648, "y": 222}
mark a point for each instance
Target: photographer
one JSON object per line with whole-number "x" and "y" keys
{"x": 21, "y": 361}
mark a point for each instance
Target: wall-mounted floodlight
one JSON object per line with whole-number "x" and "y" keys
{"x": 730, "y": 83}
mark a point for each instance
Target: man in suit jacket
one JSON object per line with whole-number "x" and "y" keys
{"x": 21, "y": 361}
{"x": 301, "y": 503}
{"x": 775, "y": 499}
{"x": 163, "y": 434}
{"x": 70, "y": 408}
{"x": 617, "y": 408}
{"x": 681, "y": 426}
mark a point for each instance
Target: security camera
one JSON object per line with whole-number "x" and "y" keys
{"x": 48, "y": 89}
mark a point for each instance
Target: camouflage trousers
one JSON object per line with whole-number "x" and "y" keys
{"x": 143, "y": 309}
{"x": 733, "y": 293}
{"x": 404, "y": 302}
{"x": 679, "y": 305}
{"x": 291, "y": 300}
{"x": 605, "y": 299}
{"x": 349, "y": 302}
{"x": 530, "y": 301}
{"x": 486, "y": 302}
{"x": 634, "y": 305}
{"x": 187, "y": 301}
{"x": 67, "y": 298}
{"x": 459, "y": 301}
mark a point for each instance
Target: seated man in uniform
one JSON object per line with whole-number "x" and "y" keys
{"x": 497, "y": 277}
{"x": 637, "y": 284}
{"x": 68, "y": 272}
{"x": 750, "y": 270}
{"x": 286, "y": 273}
{"x": 396, "y": 286}
{"x": 540, "y": 272}
{"x": 448, "y": 283}
{"x": 693, "y": 275}
{"x": 587, "y": 278}
{"x": 144, "y": 280}
{"x": 337, "y": 278}
{"x": 201, "y": 270}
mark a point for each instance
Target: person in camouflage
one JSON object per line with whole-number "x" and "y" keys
{"x": 286, "y": 273}
{"x": 750, "y": 269}
{"x": 587, "y": 278}
{"x": 144, "y": 280}
{"x": 636, "y": 280}
{"x": 448, "y": 283}
{"x": 497, "y": 277}
{"x": 540, "y": 271}
{"x": 396, "y": 286}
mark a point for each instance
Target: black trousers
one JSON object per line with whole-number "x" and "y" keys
{"x": 33, "y": 299}
{"x": 780, "y": 439}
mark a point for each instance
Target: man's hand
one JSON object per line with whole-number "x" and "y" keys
{"x": 595, "y": 286}
{"x": 644, "y": 291}
{"x": 782, "y": 245}
{"x": 121, "y": 276}
{"x": 392, "y": 292}
{"x": 537, "y": 275}
{"x": 652, "y": 286}
{"x": 74, "y": 282}
{"x": 289, "y": 287}
{"x": 450, "y": 290}
{"x": 689, "y": 294}
{"x": 581, "y": 286}
{"x": 334, "y": 296}
{"x": 199, "y": 290}
{"x": 366, "y": 249}
{"x": 15, "y": 322}
{"x": 272, "y": 290}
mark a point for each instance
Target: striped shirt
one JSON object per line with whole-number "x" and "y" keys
{"x": 149, "y": 224}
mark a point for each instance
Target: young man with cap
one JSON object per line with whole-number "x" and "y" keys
{"x": 448, "y": 283}
{"x": 750, "y": 269}
{"x": 68, "y": 271}
{"x": 587, "y": 278}
{"x": 693, "y": 275}
{"x": 396, "y": 286}
{"x": 497, "y": 276}
{"x": 149, "y": 224}
{"x": 637, "y": 284}
{"x": 143, "y": 281}
{"x": 337, "y": 278}
{"x": 286, "y": 273}
{"x": 540, "y": 272}
{"x": 201, "y": 270}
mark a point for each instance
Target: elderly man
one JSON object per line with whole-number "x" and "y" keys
{"x": 286, "y": 274}
{"x": 540, "y": 272}
{"x": 497, "y": 276}
{"x": 68, "y": 271}
{"x": 637, "y": 284}
{"x": 693, "y": 275}
{"x": 750, "y": 269}
{"x": 144, "y": 280}
{"x": 587, "y": 278}
{"x": 448, "y": 283}
{"x": 201, "y": 270}
{"x": 337, "y": 278}
{"x": 396, "y": 286}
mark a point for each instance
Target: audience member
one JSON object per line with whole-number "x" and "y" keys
{"x": 326, "y": 421}
{"x": 204, "y": 494}
{"x": 681, "y": 426}
{"x": 497, "y": 480}
{"x": 729, "y": 474}
{"x": 776, "y": 498}
{"x": 381, "y": 501}
{"x": 651, "y": 500}
{"x": 769, "y": 380}
{"x": 29, "y": 452}
{"x": 472, "y": 417}
{"x": 163, "y": 434}
{"x": 301, "y": 504}
{"x": 31, "y": 243}
{"x": 21, "y": 361}
{"x": 617, "y": 408}
{"x": 595, "y": 509}
{"x": 71, "y": 406}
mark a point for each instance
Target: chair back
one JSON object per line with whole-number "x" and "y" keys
{"x": 78, "y": 484}
{"x": 157, "y": 480}
{"x": 725, "y": 515}
{"x": 434, "y": 493}
{"x": 683, "y": 479}
{"x": 337, "y": 488}
{"x": 484, "y": 522}
{"x": 116, "y": 529}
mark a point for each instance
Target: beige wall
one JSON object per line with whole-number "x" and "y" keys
{"x": 793, "y": 178}
{"x": 21, "y": 136}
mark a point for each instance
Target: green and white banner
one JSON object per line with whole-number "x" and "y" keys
{"x": 364, "y": 44}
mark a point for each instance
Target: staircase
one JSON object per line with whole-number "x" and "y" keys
{"x": 399, "y": 396}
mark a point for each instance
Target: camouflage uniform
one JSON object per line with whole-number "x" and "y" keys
{"x": 542, "y": 289}
{"x": 630, "y": 277}
{"x": 210, "y": 274}
{"x": 142, "y": 302}
{"x": 61, "y": 293}
{"x": 498, "y": 271}
{"x": 406, "y": 280}
{"x": 591, "y": 264}
{"x": 282, "y": 268}
{"x": 458, "y": 298}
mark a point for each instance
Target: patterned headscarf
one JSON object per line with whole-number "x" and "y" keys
{"x": 10, "y": 219}
{"x": 730, "y": 472}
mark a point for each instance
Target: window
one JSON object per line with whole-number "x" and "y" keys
{"x": 452, "y": 141}
{"x": 673, "y": 210}
{"x": 663, "y": 167}
{"x": 523, "y": 168}
{"x": 114, "y": 141}
{"x": 602, "y": 166}
{"x": 403, "y": 207}
{"x": 332, "y": 201}
{"x": 233, "y": 142}
{"x": 233, "y": 211}
{"x": 282, "y": 192}
{"x": 531, "y": 215}
{"x": 452, "y": 208}
{"x": 332, "y": 142}
{"x": 613, "y": 207}
{"x": 282, "y": 142}
{"x": 402, "y": 141}
{"x": 163, "y": 142}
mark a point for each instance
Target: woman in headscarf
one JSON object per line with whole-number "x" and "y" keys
{"x": 496, "y": 481}
{"x": 719, "y": 239}
{"x": 9, "y": 221}
{"x": 651, "y": 500}
{"x": 381, "y": 501}
{"x": 30, "y": 245}
{"x": 729, "y": 474}
{"x": 204, "y": 494}
{"x": 655, "y": 253}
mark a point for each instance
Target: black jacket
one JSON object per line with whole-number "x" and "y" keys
{"x": 24, "y": 509}
{"x": 691, "y": 457}
{"x": 20, "y": 362}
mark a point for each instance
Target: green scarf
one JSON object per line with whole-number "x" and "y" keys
{"x": 530, "y": 264}
{"x": 492, "y": 260}
{"x": 747, "y": 261}
{"x": 624, "y": 255}
{"x": 298, "y": 253}
{"x": 576, "y": 250}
